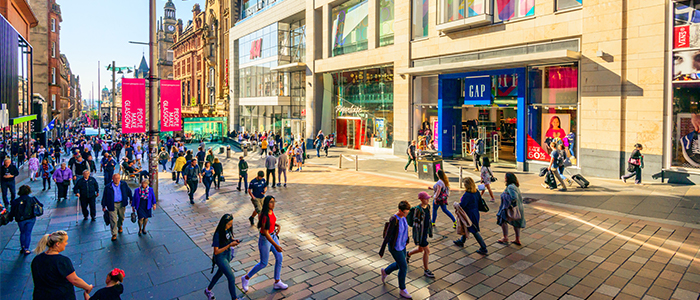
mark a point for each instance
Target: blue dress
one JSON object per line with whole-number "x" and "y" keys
{"x": 143, "y": 211}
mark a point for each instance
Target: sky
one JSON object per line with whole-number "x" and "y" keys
{"x": 100, "y": 30}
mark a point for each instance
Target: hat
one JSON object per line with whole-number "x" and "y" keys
{"x": 423, "y": 195}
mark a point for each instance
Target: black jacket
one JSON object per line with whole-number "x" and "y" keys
{"x": 86, "y": 188}
{"x": 22, "y": 208}
{"x": 12, "y": 170}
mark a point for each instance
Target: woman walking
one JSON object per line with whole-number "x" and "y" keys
{"x": 218, "y": 172}
{"x": 46, "y": 169}
{"x": 173, "y": 156}
{"x": 143, "y": 202}
{"x": 163, "y": 157}
{"x": 268, "y": 241}
{"x": 223, "y": 244}
{"x": 53, "y": 274}
{"x": 470, "y": 204}
{"x": 62, "y": 177}
{"x": 33, "y": 164}
{"x": 23, "y": 211}
{"x": 179, "y": 164}
{"x": 441, "y": 193}
{"x": 396, "y": 239}
{"x": 207, "y": 178}
{"x": 419, "y": 219}
{"x": 486, "y": 176}
{"x": 210, "y": 156}
{"x": 635, "y": 165}
{"x": 511, "y": 197}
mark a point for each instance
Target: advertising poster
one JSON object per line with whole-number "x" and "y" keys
{"x": 688, "y": 136}
{"x": 552, "y": 128}
{"x": 436, "y": 130}
{"x": 685, "y": 66}
{"x": 133, "y": 105}
{"x": 170, "y": 106}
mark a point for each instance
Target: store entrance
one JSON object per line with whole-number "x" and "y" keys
{"x": 496, "y": 126}
{"x": 351, "y": 132}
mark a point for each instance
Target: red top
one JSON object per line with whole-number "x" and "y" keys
{"x": 268, "y": 222}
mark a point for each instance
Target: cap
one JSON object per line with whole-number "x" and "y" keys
{"x": 423, "y": 195}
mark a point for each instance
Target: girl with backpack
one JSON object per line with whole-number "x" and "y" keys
{"x": 223, "y": 244}
{"x": 486, "y": 176}
{"x": 419, "y": 219}
{"x": 441, "y": 193}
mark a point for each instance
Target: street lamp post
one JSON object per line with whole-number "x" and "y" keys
{"x": 153, "y": 111}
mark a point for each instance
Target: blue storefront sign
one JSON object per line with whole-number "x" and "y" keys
{"x": 477, "y": 90}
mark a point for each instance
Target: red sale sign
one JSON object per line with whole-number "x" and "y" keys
{"x": 133, "y": 105}
{"x": 681, "y": 37}
{"x": 170, "y": 105}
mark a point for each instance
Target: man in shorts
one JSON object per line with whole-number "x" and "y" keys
{"x": 257, "y": 189}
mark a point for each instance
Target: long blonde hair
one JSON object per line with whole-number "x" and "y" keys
{"x": 443, "y": 177}
{"x": 469, "y": 185}
{"x": 50, "y": 240}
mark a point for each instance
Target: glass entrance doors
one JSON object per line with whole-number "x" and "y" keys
{"x": 351, "y": 133}
{"x": 496, "y": 126}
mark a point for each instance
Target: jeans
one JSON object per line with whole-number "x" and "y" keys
{"x": 637, "y": 175}
{"x": 164, "y": 163}
{"x": 25, "y": 232}
{"x": 318, "y": 151}
{"x": 217, "y": 180}
{"x": 84, "y": 203}
{"x": 192, "y": 184}
{"x": 444, "y": 209}
{"x": 477, "y": 161}
{"x": 177, "y": 177}
{"x": 5, "y": 186}
{"x": 415, "y": 168}
{"x": 108, "y": 177}
{"x": 207, "y": 185}
{"x": 270, "y": 171}
{"x": 244, "y": 178}
{"x": 172, "y": 163}
{"x": 46, "y": 181}
{"x": 399, "y": 264}
{"x": 223, "y": 262}
{"x": 264, "y": 246}
{"x": 281, "y": 171}
{"x": 478, "y": 238}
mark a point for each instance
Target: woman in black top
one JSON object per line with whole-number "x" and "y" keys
{"x": 22, "y": 211}
{"x": 52, "y": 273}
{"x": 218, "y": 171}
{"x": 223, "y": 244}
{"x": 635, "y": 165}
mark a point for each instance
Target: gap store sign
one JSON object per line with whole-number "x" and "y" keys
{"x": 477, "y": 90}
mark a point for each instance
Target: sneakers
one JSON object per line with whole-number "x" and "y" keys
{"x": 623, "y": 179}
{"x": 405, "y": 294}
{"x": 383, "y": 275}
{"x": 458, "y": 243}
{"x": 408, "y": 257}
{"x": 251, "y": 219}
{"x": 454, "y": 225}
{"x": 280, "y": 285}
{"x": 244, "y": 284}
{"x": 482, "y": 251}
{"x": 433, "y": 224}
{"x": 209, "y": 294}
{"x": 428, "y": 274}
{"x": 285, "y": 185}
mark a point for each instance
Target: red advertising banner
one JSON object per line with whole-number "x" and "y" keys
{"x": 170, "y": 105}
{"x": 681, "y": 37}
{"x": 133, "y": 105}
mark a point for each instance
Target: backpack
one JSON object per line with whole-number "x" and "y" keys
{"x": 560, "y": 158}
{"x": 479, "y": 148}
{"x": 386, "y": 227}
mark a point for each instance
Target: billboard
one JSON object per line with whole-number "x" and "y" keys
{"x": 170, "y": 105}
{"x": 133, "y": 105}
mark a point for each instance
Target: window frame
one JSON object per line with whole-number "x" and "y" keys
{"x": 53, "y": 25}
{"x": 557, "y": 9}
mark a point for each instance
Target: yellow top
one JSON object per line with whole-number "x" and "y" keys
{"x": 179, "y": 163}
{"x": 264, "y": 144}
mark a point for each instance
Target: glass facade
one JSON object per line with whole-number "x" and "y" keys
{"x": 505, "y": 10}
{"x": 249, "y": 8}
{"x": 419, "y": 19}
{"x": 350, "y": 22}
{"x": 386, "y": 22}
{"x": 566, "y": 4}
{"x": 258, "y": 45}
{"x": 453, "y": 10}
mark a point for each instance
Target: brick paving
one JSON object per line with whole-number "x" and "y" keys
{"x": 331, "y": 231}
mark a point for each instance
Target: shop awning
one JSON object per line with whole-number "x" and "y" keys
{"x": 558, "y": 56}
{"x": 22, "y": 119}
{"x": 297, "y": 66}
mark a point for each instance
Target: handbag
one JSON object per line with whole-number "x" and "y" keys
{"x": 222, "y": 178}
{"x": 106, "y": 217}
{"x": 441, "y": 199}
{"x": 482, "y": 205}
{"x": 631, "y": 168}
{"x": 635, "y": 161}
{"x": 513, "y": 213}
{"x": 133, "y": 217}
{"x": 38, "y": 208}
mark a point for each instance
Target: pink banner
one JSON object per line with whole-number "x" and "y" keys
{"x": 133, "y": 105}
{"x": 170, "y": 105}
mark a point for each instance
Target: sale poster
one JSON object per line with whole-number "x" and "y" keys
{"x": 170, "y": 105}
{"x": 133, "y": 105}
{"x": 553, "y": 128}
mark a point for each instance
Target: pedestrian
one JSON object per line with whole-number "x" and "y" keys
{"x": 62, "y": 177}
{"x": 282, "y": 165}
{"x": 173, "y": 157}
{"x": 163, "y": 157}
{"x": 179, "y": 165}
{"x": 263, "y": 147}
{"x": 298, "y": 152}
{"x": 318, "y": 143}
{"x": 113, "y": 289}
{"x": 257, "y": 190}
{"x": 556, "y": 165}
{"x": 635, "y": 164}
{"x": 477, "y": 152}
{"x": 33, "y": 164}
{"x": 511, "y": 197}
{"x": 441, "y": 193}
{"x": 46, "y": 170}
{"x": 108, "y": 165}
{"x": 129, "y": 151}
{"x": 53, "y": 274}
{"x": 210, "y": 156}
{"x": 90, "y": 163}
{"x": 218, "y": 172}
{"x": 207, "y": 178}
{"x": 201, "y": 155}
{"x": 270, "y": 165}
{"x": 23, "y": 211}
{"x": 411, "y": 152}
{"x": 223, "y": 244}
{"x": 268, "y": 241}
{"x": 192, "y": 176}
{"x": 188, "y": 156}
{"x": 78, "y": 168}
{"x": 396, "y": 240}
{"x": 142, "y": 203}
{"x": 486, "y": 176}
{"x": 115, "y": 199}
{"x": 419, "y": 219}
{"x": 470, "y": 205}
{"x": 8, "y": 171}
{"x": 242, "y": 174}
{"x": 87, "y": 190}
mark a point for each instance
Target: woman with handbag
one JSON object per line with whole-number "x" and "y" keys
{"x": 46, "y": 169}
{"x": 511, "y": 210}
{"x": 24, "y": 210}
{"x": 143, "y": 202}
{"x": 441, "y": 193}
{"x": 635, "y": 165}
{"x": 62, "y": 177}
{"x": 218, "y": 173}
{"x": 487, "y": 177}
{"x": 471, "y": 203}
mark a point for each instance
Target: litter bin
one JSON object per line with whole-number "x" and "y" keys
{"x": 221, "y": 150}
{"x": 228, "y": 151}
{"x": 245, "y": 150}
{"x": 429, "y": 162}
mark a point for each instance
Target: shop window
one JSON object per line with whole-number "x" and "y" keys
{"x": 453, "y": 10}
{"x": 552, "y": 113}
{"x": 350, "y": 22}
{"x": 386, "y": 22}
{"x": 566, "y": 4}
{"x": 505, "y": 10}
{"x": 419, "y": 19}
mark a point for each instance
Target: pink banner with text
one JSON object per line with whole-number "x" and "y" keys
{"x": 133, "y": 105}
{"x": 170, "y": 105}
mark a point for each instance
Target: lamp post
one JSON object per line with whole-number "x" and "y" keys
{"x": 113, "y": 108}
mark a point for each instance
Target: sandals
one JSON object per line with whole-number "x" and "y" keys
{"x": 503, "y": 241}
{"x": 517, "y": 243}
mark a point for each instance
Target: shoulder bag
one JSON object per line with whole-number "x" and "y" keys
{"x": 482, "y": 205}
{"x": 512, "y": 211}
{"x": 38, "y": 207}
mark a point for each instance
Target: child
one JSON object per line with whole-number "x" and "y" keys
{"x": 113, "y": 289}
{"x": 486, "y": 176}
{"x": 419, "y": 219}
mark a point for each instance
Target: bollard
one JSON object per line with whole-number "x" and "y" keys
{"x": 357, "y": 162}
{"x": 340, "y": 162}
{"x": 245, "y": 150}
{"x": 460, "y": 177}
{"x": 228, "y": 151}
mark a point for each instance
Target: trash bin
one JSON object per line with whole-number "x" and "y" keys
{"x": 245, "y": 150}
{"x": 221, "y": 150}
{"x": 429, "y": 162}
{"x": 228, "y": 151}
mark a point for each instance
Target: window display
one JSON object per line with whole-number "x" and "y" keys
{"x": 350, "y": 22}
{"x": 511, "y": 9}
{"x": 420, "y": 18}
{"x": 386, "y": 22}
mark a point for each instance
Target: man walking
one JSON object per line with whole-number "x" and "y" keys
{"x": 108, "y": 165}
{"x": 201, "y": 155}
{"x": 282, "y": 165}
{"x": 87, "y": 191}
{"x": 192, "y": 175}
{"x": 270, "y": 165}
{"x": 242, "y": 173}
{"x": 257, "y": 190}
{"x": 556, "y": 165}
{"x": 318, "y": 143}
{"x": 115, "y": 199}
{"x": 411, "y": 151}
{"x": 8, "y": 171}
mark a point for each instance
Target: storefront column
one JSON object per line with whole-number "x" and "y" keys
{"x": 449, "y": 119}
{"x": 372, "y": 28}
{"x": 521, "y": 123}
